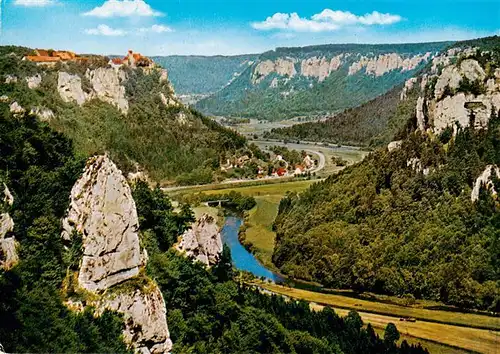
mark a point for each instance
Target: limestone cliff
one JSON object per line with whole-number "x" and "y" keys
{"x": 485, "y": 180}
{"x": 382, "y": 64}
{"x": 103, "y": 212}
{"x": 281, "y": 66}
{"x": 8, "y": 243}
{"x": 464, "y": 93}
{"x": 107, "y": 85}
{"x": 203, "y": 241}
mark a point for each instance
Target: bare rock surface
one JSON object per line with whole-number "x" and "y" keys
{"x": 16, "y": 109}
{"x": 145, "y": 316}
{"x": 203, "y": 241}
{"x": 394, "y": 145}
{"x": 320, "y": 68}
{"x": 103, "y": 211}
{"x": 8, "y": 243}
{"x": 281, "y": 66}
{"x": 450, "y": 103}
{"x": 34, "y": 81}
{"x": 70, "y": 88}
{"x": 107, "y": 85}
{"x": 385, "y": 63}
{"x": 485, "y": 180}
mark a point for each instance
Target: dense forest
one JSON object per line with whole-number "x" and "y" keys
{"x": 208, "y": 311}
{"x": 300, "y": 95}
{"x": 385, "y": 226}
{"x": 171, "y": 143}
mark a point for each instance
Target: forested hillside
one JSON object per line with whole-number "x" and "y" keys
{"x": 318, "y": 80}
{"x": 420, "y": 218}
{"x": 372, "y": 124}
{"x": 131, "y": 113}
{"x": 208, "y": 312}
{"x": 192, "y": 74}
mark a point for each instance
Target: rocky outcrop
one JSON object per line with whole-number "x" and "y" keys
{"x": 8, "y": 243}
{"x": 16, "y": 109}
{"x": 4, "y": 99}
{"x": 10, "y": 79}
{"x": 420, "y": 114}
{"x": 485, "y": 180}
{"x": 70, "y": 88}
{"x": 203, "y": 241}
{"x": 450, "y": 103}
{"x": 145, "y": 318}
{"x": 394, "y": 145}
{"x": 103, "y": 211}
{"x": 34, "y": 81}
{"x": 320, "y": 68}
{"x": 44, "y": 114}
{"x": 407, "y": 88}
{"x": 107, "y": 85}
{"x": 169, "y": 101}
{"x": 385, "y": 63}
{"x": 281, "y": 66}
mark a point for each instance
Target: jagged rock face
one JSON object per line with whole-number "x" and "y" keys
{"x": 44, "y": 114}
{"x": 420, "y": 114}
{"x": 8, "y": 244}
{"x": 34, "y": 81}
{"x": 145, "y": 318}
{"x": 103, "y": 211}
{"x": 320, "y": 68}
{"x": 106, "y": 83}
{"x": 408, "y": 87}
{"x": 385, "y": 63}
{"x": 459, "y": 107}
{"x": 70, "y": 88}
{"x": 282, "y": 67}
{"x": 203, "y": 241}
{"x": 485, "y": 180}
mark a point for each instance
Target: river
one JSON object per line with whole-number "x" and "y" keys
{"x": 242, "y": 259}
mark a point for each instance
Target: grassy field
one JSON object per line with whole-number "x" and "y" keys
{"x": 437, "y": 337}
{"x": 432, "y": 347}
{"x": 273, "y": 189}
{"x": 346, "y": 302}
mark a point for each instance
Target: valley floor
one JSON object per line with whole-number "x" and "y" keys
{"x": 452, "y": 329}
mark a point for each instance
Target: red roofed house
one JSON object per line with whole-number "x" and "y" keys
{"x": 280, "y": 172}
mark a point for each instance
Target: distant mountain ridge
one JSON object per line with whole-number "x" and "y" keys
{"x": 318, "y": 80}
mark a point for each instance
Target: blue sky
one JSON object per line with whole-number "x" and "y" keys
{"x": 164, "y": 27}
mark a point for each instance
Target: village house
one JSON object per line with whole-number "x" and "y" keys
{"x": 299, "y": 170}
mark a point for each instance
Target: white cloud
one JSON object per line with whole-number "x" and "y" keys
{"x": 34, "y": 3}
{"x": 156, "y": 29}
{"x": 123, "y": 8}
{"x": 327, "y": 20}
{"x": 105, "y": 30}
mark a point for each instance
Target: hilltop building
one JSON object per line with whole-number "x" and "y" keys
{"x": 50, "y": 57}
{"x": 133, "y": 60}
